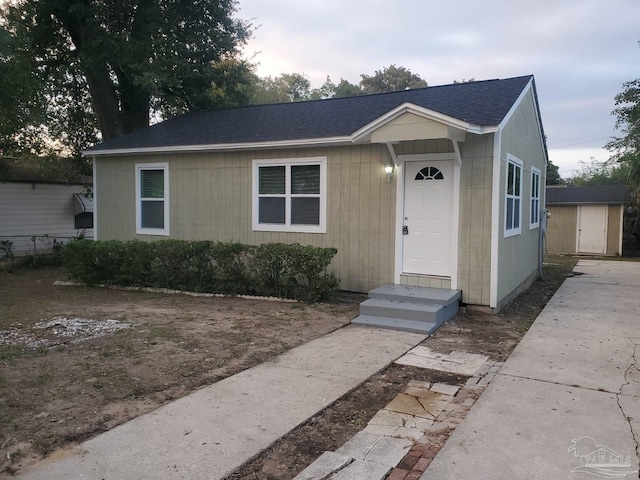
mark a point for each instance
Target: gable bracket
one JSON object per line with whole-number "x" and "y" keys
{"x": 456, "y": 149}
{"x": 392, "y": 152}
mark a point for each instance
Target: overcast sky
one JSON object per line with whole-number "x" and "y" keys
{"x": 580, "y": 51}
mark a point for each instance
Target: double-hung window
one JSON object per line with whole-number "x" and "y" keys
{"x": 513, "y": 197}
{"x": 534, "y": 216}
{"x": 289, "y": 195}
{"x": 152, "y": 198}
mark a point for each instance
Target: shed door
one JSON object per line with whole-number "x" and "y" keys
{"x": 592, "y": 228}
{"x": 428, "y": 205}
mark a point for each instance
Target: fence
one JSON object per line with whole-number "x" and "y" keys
{"x": 35, "y": 244}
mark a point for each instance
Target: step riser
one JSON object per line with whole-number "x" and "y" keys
{"x": 403, "y": 314}
{"x": 406, "y": 293}
{"x": 405, "y": 298}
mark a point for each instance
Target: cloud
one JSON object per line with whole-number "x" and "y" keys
{"x": 580, "y": 51}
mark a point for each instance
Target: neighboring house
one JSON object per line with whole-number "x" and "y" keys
{"x": 36, "y": 211}
{"x": 586, "y": 220}
{"x": 438, "y": 186}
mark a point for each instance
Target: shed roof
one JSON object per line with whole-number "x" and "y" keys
{"x": 589, "y": 194}
{"x": 481, "y": 104}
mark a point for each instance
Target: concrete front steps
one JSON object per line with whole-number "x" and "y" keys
{"x": 408, "y": 308}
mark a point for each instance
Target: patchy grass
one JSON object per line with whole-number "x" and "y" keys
{"x": 58, "y": 395}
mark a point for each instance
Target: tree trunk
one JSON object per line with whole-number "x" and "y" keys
{"x": 95, "y": 68}
{"x": 105, "y": 102}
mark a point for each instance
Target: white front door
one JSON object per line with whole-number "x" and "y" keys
{"x": 592, "y": 228}
{"x": 428, "y": 207}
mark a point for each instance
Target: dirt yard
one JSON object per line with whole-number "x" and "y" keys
{"x": 76, "y": 361}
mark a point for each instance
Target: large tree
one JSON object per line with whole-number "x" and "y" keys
{"x": 114, "y": 60}
{"x": 553, "y": 176}
{"x": 294, "y": 87}
{"x": 626, "y": 148}
{"x": 390, "y": 79}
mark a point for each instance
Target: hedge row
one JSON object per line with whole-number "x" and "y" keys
{"x": 274, "y": 269}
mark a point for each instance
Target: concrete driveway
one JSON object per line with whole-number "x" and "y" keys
{"x": 566, "y": 404}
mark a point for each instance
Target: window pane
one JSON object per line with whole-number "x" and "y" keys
{"x": 152, "y": 214}
{"x": 272, "y": 180}
{"x": 305, "y": 211}
{"x": 152, "y": 183}
{"x": 516, "y": 213}
{"x": 509, "y": 213}
{"x": 516, "y": 187}
{"x": 510, "y": 168}
{"x": 271, "y": 210}
{"x": 305, "y": 179}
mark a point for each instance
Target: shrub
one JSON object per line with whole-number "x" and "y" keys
{"x": 289, "y": 271}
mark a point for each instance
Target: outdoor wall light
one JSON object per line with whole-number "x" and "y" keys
{"x": 388, "y": 169}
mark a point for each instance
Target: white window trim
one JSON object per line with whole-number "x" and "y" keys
{"x": 152, "y": 231}
{"x": 287, "y": 227}
{"x": 535, "y": 171}
{"x": 519, "y": 164}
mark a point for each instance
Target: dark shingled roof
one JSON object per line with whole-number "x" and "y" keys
{"x": 591, "y": 194}
{"x": 482, "y": 103}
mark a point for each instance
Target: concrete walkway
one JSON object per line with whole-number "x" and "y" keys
{"x": 211, "y": 432}
{"x": 570, "y": 389}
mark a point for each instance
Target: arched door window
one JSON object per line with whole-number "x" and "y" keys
{"x": 429, "y": 173}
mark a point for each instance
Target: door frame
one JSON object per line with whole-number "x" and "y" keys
{"x": 455, "y": 217}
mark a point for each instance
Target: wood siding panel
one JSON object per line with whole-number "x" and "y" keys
{"x": 474, "y": 249}
{"x": 613, "y": 229}
{"x": 211, "y": 198}
{"x": 562, "y": 228}
{"x": 518, "y": 255}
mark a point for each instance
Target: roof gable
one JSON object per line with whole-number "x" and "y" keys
{"x": 477, "y": 104}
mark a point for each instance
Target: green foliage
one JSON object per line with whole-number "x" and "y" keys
{"x": 293, "y": 271}
{"x": 294, "y": 87}
{"x": 594, "y": 172}
{"x": 6, "y": 253}
{"x": 553, "y": 176}
{"x": 78, "y": 67}
{"x": 391, "y": 79}
{"x": 626, "y": 148}
{"x": 288, "y": 271}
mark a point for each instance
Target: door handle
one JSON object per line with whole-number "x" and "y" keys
{"x": 405, "y": 230}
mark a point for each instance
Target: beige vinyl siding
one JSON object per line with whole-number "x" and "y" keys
{"x": 562, "y": 229}
{"x": 474, "y": 258}
{"x": 614, "y": 217}
{"x": 37, "y": 209}
{"x": 211, "y": 198}
{"x": 518, "y": 255}
{"x": 440, "y": 145}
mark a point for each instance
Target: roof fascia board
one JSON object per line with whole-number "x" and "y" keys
{"x": 529, "y": 87}
{"x": 223, "y": 146}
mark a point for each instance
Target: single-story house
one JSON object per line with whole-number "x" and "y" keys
{"x": 586, "y": 220}
{"x": 37, "y": 211}
{"x": 437, "y": 186}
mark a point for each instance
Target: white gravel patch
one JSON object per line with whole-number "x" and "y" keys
{"x": 60, "y": 330}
